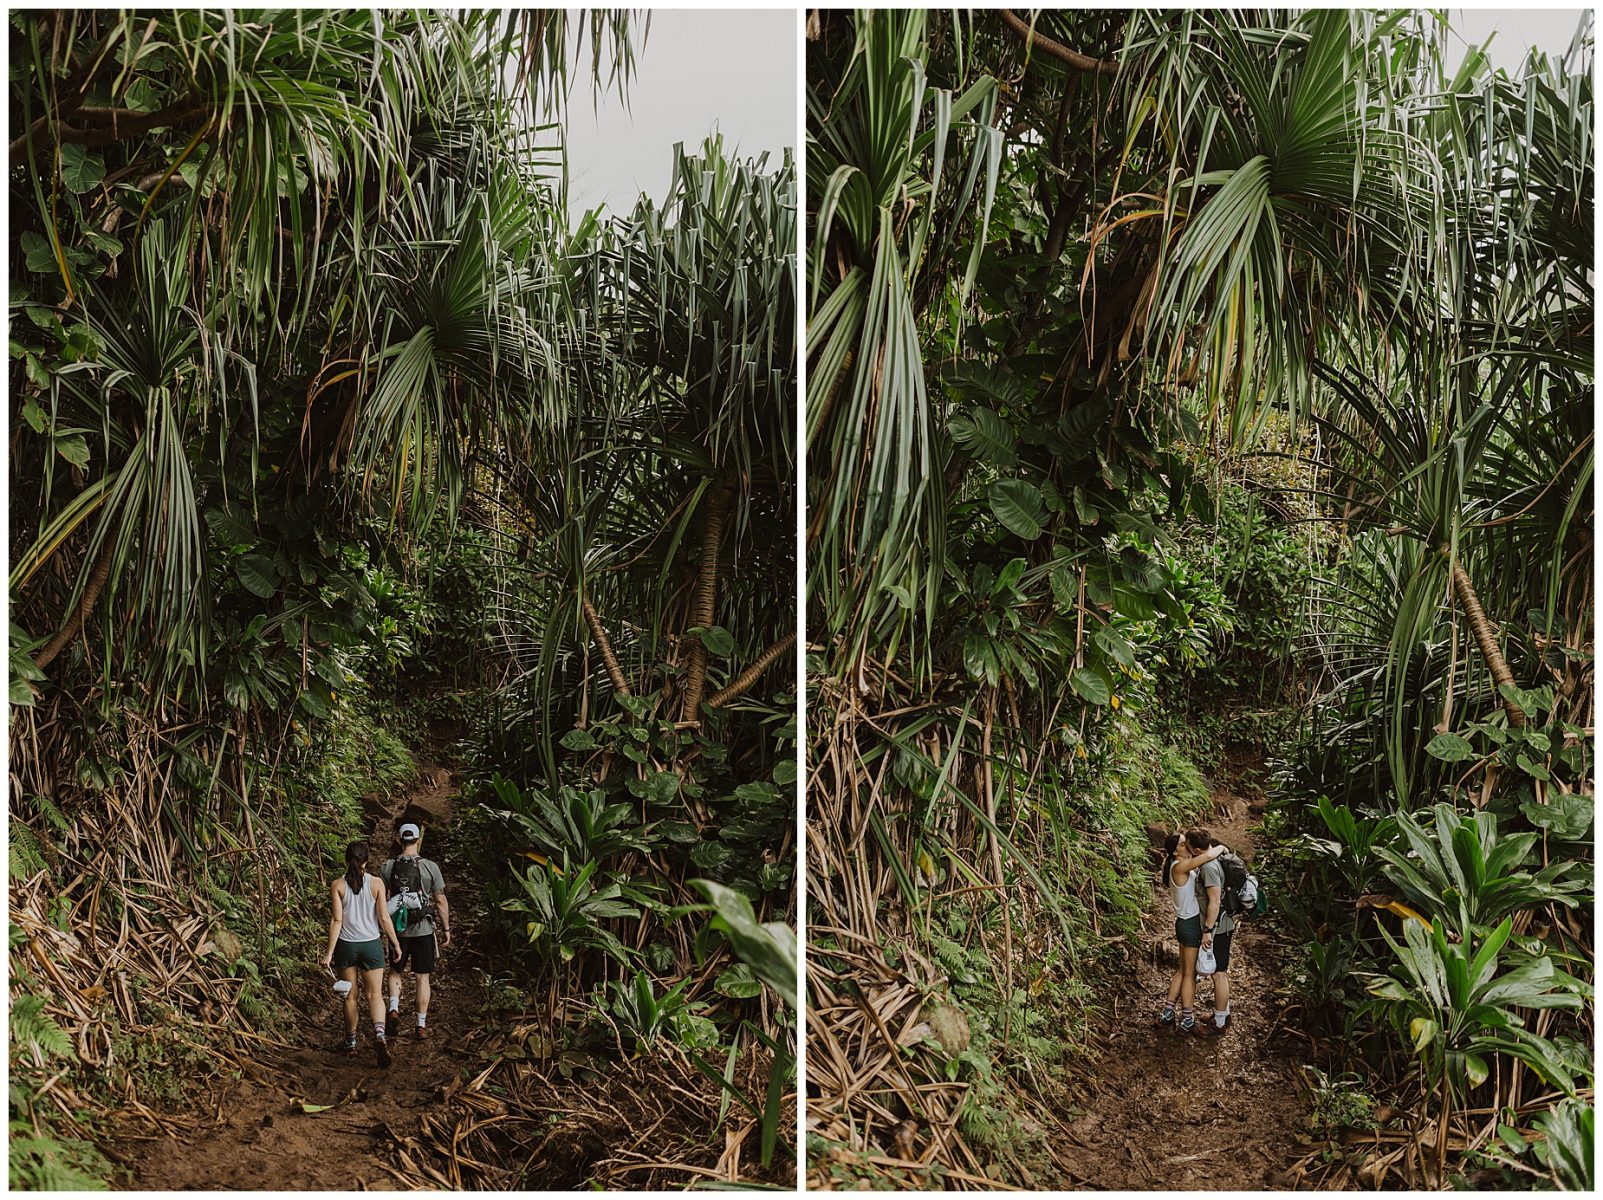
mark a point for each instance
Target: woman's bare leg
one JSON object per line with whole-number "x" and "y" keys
{"x": 1188, "y": 975}
{"x": 348, "y": 974}
{"x": 373, "y": 982}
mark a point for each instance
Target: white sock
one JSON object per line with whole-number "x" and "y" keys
{"x": 395, "y": 1004}
{"x": 1221, "y": 1015}
{"x": 422, "y": 1020}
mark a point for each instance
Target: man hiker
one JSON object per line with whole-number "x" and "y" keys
{"x": 1217, "y": 928}
{"x": 417, "y": 900}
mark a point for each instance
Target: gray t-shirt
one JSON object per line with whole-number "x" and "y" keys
{"x": 1213, "y": 875}
{"x": 433, "y": 882}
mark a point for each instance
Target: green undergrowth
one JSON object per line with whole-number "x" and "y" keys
{"x": 1074, "y": 929}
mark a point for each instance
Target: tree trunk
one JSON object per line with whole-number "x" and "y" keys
{"x": 706, "y": 606}
{"x": 604, "y": 644}
{"x": 1486, "y": 639}
{"x": 752, "y": 673}
{"x": 1055, "y": 48}
{"x": 86, "y": 605}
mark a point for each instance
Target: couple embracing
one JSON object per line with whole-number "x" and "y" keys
{"x": 1207, "y": 893}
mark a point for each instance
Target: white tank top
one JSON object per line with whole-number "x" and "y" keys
{"x": 1185, "y": 895}
{"x": 360, "y": 919}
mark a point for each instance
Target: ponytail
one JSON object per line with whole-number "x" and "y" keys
{"x": 1171, "y": 848}
{"x": 355, "y": 867}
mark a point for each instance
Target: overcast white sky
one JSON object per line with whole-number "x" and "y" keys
{"x": 1517, "y": 30}
{"x": 700, "y": 71}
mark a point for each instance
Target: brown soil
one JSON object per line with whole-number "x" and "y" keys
{"x": 260, "y": 1136}
{"x": 1178, "y": 1112}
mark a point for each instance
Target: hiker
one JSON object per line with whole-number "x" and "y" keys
{"x": 1217, "y": 927}
{"x": 417, "y": 890}
{"x": 1180, "y": 872}
{"x": 356, "y": 933}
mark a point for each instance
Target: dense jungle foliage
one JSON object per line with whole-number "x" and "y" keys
{"x": 335, "y": 445}
{"x": 1189, "y": 390}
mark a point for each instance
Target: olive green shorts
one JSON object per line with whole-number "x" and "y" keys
{"x": 1189, "y": 930}
{"x": 368, "y": 956}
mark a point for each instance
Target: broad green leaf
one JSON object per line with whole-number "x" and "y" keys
{"x": 103, "y": 242}
{"x": 257, "y": 573}
{"x": 39, "y": 258}
{"x": 1084, "y": 509}
{"x": 769, "y": 948}
{"x": 230, "y": 529}
{"x": 81, "y": 169}
{"x": 1064, "y": 591}
{"x": 1567, "y": 816}
{"x": 986, "y": 436}
{"x": 578, "y": 739}
{"x": 1531, "y": 767}
{"x": 1423, "y": 1031}
{"x": 718, "y": 641}
{"x": 738, "y": 983}
{"x": 1017, "y": 504}
{"x": 1450, "y": 747}
{"x": 1114, "y": 646}
{"x": 74, "y": 449}
{"x": 1090, "y": 684}
{"x": 711, "y": 856}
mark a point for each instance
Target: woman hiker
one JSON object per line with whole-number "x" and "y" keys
{"x": 1181, "y": 864}
{"x": 356, "y": 933}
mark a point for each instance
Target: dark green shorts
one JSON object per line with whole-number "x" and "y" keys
{"x": 1189, "y": 930}
{"x": 368, "y": 956}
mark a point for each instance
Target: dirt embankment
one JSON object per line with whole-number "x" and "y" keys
{"x": 1177, "y": 1112}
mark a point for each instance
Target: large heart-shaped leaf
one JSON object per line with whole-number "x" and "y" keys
{"x": 257, "y": 573}
{"x": 1017, "y": 504}
{"x": 1091, "y": 684}
{"x": 81, "y": 170}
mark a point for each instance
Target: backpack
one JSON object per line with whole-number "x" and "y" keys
{"x": 1240, "y": 896}
{"x": 1254, "y": 902}
{"x": 406, "y": 884}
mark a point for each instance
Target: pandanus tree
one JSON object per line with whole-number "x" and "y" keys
{"x": 670, "y": 490}
{"x": 1477, "y": 448}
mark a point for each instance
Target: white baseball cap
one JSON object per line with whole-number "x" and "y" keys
{"x": 410, "y": 833}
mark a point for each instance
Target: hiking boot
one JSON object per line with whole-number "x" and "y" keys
{"x": 423, "y": 1032}
{"x": 1214, "y": 1029}
{"x": 1164, "y": 1019}
{"x": 383, "y": 1048}
{"x": 349, "y": 1048}
{"x": 1186, "y": 1028}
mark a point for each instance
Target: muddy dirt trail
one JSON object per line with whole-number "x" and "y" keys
{"x": 256, "y": 1134}
{"x": 1166, "y": 1110}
